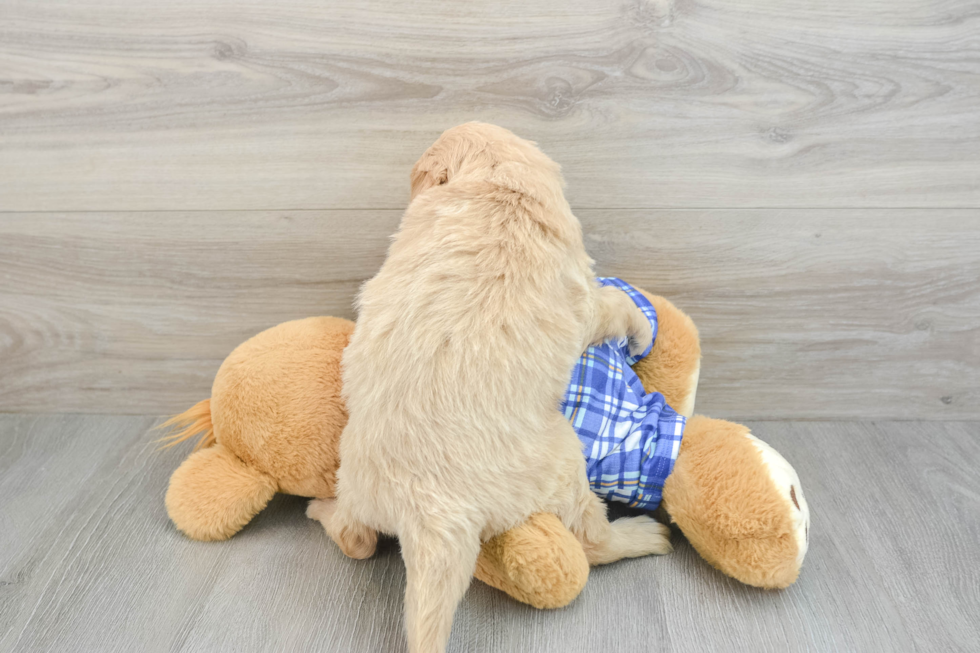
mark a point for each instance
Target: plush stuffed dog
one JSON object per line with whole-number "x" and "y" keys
{"x": 275, "y": 416}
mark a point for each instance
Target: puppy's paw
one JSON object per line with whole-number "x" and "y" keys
{"x": 618, "y": 317}
{"x": 321, "y": 510}
{"x": 355, "y": 539}
{"x": 640, "y": 332}
{"x": 640, "y": 536}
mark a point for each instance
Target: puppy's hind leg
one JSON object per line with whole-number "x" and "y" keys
{"x": 439, "y": 566}
{"x": 627, "y": 537}
{"x": 616, "y": 316}
{"x": 354, "y": 538}
{"x": 585, "y": 515}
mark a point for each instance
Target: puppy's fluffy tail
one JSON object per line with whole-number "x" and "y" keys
{"x": 439, "y": 565}
{"x": 195, "y": 420}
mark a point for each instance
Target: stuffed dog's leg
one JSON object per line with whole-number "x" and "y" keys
{"x": 213, "y": 494}
{"x": 739, "y": 503}
{"x": 673, "y": 365}
{"x": 538, "y": 562}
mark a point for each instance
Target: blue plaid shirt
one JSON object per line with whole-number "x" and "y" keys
{"x": 630, "y": 438}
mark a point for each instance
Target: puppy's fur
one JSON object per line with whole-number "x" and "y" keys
{"x": 462, "y": 351}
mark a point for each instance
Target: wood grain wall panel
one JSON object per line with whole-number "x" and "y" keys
{"x": 188, "y": 105}
{"x": 868, "y": 313}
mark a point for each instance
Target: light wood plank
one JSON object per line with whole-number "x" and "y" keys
{"x": 138, "y": 105}
{"x": 94, "y": 564}
{"x": 815, "y": 314}
{"x": 803, "y": 313}
{"x": 137, "y": 310}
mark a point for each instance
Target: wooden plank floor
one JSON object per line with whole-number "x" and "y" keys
{"x": 89, "y": 561}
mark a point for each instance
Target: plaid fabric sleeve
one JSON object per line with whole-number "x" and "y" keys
{"x": 633, "y": 470}
{"x": 630, "y": 438}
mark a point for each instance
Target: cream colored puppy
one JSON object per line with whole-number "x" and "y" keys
{"x": 464, "y": 345}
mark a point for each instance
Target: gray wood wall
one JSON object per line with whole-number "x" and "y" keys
{"x": 802, "y": 178}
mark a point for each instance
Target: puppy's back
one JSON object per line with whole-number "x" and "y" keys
{"x": 474, "y": 321}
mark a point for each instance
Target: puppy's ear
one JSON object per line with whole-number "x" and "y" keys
{"x": 516, "y": 177}
{"x": 538, "y": 183}
{"x": 423, "y": 178}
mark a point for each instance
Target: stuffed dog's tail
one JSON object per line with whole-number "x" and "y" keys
{"x": 194, "y": 420}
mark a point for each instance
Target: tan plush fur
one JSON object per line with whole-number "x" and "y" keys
{"x": 463, "y": 348}
{"x": 272, "y": 424}
{"x": 196, "y": 420}
{"x": 721, "y": 496}
{"x": 671, "y": 366}
{"x": 523, "y": 563}
{"x": 214, "y": 494}
{"x": 287, "y": 435}
{"x": 720, "y": 492}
